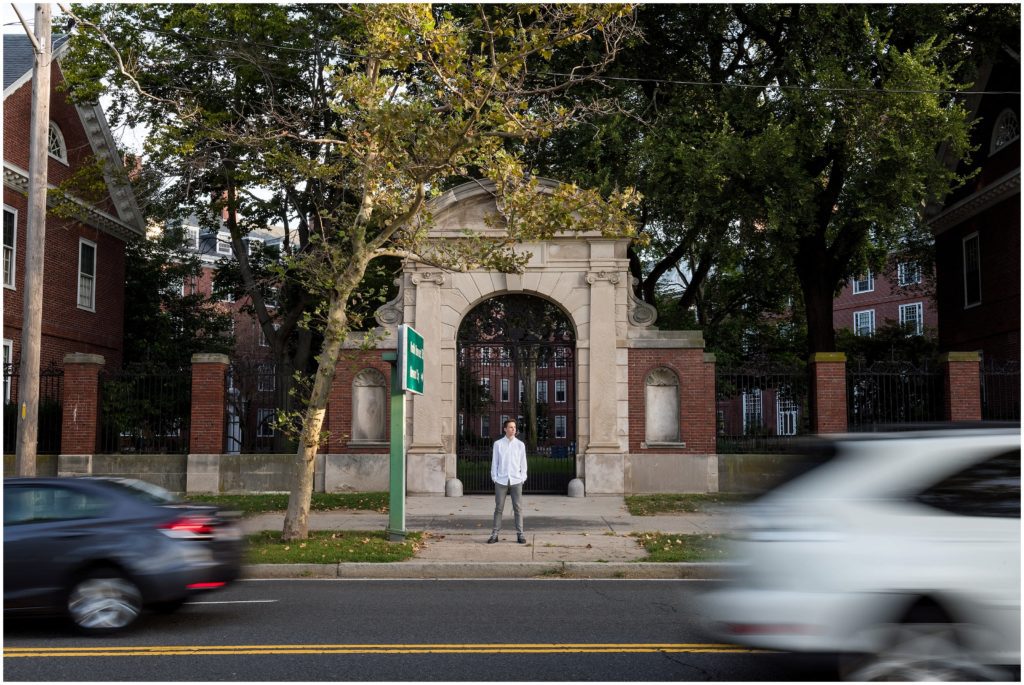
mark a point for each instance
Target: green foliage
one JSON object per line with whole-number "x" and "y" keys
{"x": 163, "y": 327}
{"x": 329, "y": 547}
{"x": 276, "y": 502}
{"x": 780, "y": 149}
{"x": 890, "y": 342}
{"x": 663, "y": 547}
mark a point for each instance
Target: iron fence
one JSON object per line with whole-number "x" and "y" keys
{"x": 145, "y": 411}
{"x": 51, "y": 393}
{"x": 533, "y": 383}
{"x": 760, "y": 408}
{"x": 893, "y": 392}
{"x": 1000, "y": 390}
{"x": 257, "y": 392}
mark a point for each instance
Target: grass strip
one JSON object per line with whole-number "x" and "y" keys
{"x": 321, "y": 501}
{"x": 329, "y": 547}
{"x": 651, "y": 505}
{"x": 662, "y": 547}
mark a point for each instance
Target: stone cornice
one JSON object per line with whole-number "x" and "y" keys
{"x": 16, "y": 178}
{"x": 971, "y": 206}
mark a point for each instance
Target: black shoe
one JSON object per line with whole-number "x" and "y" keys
{"x": 491, "y": 540}
{"x": 521, "y": 539}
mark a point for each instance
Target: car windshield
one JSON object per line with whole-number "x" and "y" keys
{"x": 147, "y": 492}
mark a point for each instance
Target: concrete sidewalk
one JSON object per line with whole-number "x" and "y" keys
{"x": 566, "y": 536}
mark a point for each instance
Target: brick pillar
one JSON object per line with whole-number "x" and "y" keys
{"x": 79, "y": 436}
{"x": 963, "y": 386}
{"x": 207, "y": 432}
{"x": 710, "y": 409}
{"x": 828, "y": 392}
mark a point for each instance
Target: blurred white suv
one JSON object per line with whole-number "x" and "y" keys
{"x": 900, "y": 552}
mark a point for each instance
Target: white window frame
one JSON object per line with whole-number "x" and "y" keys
{"x": 560, "y": 357}
{"x": 485, "y": 426}
{"x": 542, "y": 391}
{"x": 561, "y": 426}
{"x": 918, "y": 309}
{"x": 485, "y": 383}
{"x": 976, "y": 239}
{"x": 564, "y": 391}
{"x": 54, "y": 132}
{"x": 908, "y": 273}
{"x": 10, "y": 275}
{"x": 871, "y": 322}
{"x": 753, "y": 408}
{"x": 505, "y": 390}
{"x": 1000, "y": 136}
{"x": 262, "y": 430}
{"x": 8, "y": 356}
{"x": 90, "y": 306}
{"x": 266, "y": 378}
{"x": 226, "y": 243}
{"x": 868, "y": 280}
{"x": 522, "y": 391}
{"x": 193, "y": 237}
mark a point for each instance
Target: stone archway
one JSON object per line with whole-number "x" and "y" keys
{"x": 516, "y": 359}
{"x": 615, "y": 346}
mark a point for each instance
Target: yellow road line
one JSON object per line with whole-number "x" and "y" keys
{"x": 485, "y": 648}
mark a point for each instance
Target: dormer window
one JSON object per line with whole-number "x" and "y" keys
{"x": 223, "y": 246}
{"x": 864, "y": 284}
{"x": 1007, "y": 130}
{"x": 58, "y": 149}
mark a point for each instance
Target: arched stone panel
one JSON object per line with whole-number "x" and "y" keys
{"x": 661, "y": 406}
{"x": 369, "y": 407}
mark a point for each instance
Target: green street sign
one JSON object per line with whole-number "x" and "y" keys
{"x": 410, "y": 359}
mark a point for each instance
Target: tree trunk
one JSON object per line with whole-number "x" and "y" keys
{"x": 296, "y": 520}
{"x": 816, "y": 271}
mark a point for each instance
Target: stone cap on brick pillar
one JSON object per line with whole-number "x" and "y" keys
{"x": 827, "y": 357}
{"x": 710, "y": 358}
{"x": 960, "y": 357}
{"x": 210, "y": 358}
{"x": 83, "y": 358}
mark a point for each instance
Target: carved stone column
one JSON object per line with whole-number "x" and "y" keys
{"x": 604, "y": 465}
{"x": 425, "y": 472}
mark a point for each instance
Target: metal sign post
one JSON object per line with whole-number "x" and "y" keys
{"x": 406, "y": 376}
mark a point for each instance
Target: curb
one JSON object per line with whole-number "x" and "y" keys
{"x": 525, "y": 569}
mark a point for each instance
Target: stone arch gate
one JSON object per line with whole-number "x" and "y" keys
{"x": 616, "y": 349}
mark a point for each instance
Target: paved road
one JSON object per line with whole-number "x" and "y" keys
{"x": 402, "y": 630}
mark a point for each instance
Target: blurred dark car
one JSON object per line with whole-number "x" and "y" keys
{"x": 100, "y": 549}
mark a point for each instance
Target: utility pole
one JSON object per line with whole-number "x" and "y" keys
{"x": 35, "y": 237}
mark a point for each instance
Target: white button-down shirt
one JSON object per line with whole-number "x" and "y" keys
{"x": 508, "y": 461}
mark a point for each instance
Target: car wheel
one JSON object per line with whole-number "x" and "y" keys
{"x": 925, "y": 646}
{"x": 104, "y": 601}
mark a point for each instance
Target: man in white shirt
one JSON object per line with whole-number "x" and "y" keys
{"x": 508, "y": 471}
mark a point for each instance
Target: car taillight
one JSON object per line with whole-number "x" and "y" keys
{"x": 188, "y": 528}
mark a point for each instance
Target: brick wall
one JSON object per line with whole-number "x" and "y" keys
{"x": 696, "y": 398}
{"x": 209, "y": 381}
{"x": 339, "y": 409}
{"x": 80, "y": 411}
{"x": 992, "y": 327}
{"x": 828, "y": 392}
{"x": 963, "y": 386}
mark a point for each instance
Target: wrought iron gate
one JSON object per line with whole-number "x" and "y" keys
{"x": 528, "y": 374}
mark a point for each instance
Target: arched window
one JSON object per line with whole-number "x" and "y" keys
{"x": 1006, "y": 130}
{"x": 661, "y": 392}
{"x": 369, "y": 407}
{"x": 57, "y": 147}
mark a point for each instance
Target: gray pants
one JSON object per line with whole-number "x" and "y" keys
{"x": 500, "y": 491}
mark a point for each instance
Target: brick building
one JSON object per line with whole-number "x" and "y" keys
{"x": 83, "y": 290}
{"x": 900, "y": 293}
{"x": 977, "y": 230}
